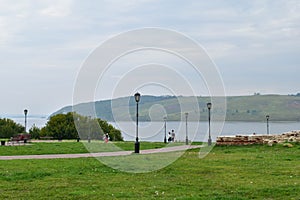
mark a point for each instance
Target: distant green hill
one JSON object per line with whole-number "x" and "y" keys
{"x": 239, "y": 108}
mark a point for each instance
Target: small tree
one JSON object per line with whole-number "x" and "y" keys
{"x": 114, "y": 134}
{"x": 35, "y": 132}
{"x": 9, "y": 128}
{"x": 62, "y": 126}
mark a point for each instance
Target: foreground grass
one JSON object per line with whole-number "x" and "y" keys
{"x": 40, "y": 148}
{"x": 254, "y": 172}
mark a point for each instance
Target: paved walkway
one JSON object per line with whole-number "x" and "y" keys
{"x": 102, "y": 154}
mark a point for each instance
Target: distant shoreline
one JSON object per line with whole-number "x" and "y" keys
{"x": 202, "y": 120}
{"x": 22, "y": 116}
{"x": 238, "y": 108}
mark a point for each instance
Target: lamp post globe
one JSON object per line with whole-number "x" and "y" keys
{"x": 137, "y": 97}
{"x": 209, "y": 105}
{"x": 25, "y": 113}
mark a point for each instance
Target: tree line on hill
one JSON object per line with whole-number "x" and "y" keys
{"x": 62, "y": 126}
{"x": 238, "y": 108}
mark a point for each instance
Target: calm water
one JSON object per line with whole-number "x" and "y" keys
{"x": 37, "y": 121}
{"x": 154, "y": 131}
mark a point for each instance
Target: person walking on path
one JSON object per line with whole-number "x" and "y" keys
{"x": 173, "y": 136}
{"x": 169, "y": 137}
{"x": 106, "y": 138}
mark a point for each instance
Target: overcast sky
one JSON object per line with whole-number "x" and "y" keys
{"x": 255, "y": 44}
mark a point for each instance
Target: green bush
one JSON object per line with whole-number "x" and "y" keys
{"x": 62, "y": 126}
{"x": 114, "y": 134}
{"x": 35, "y": 132}
{"x": 9, "y": 128}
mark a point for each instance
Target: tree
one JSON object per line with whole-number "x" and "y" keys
{"x": 35, "y": 132}
{"x": 67, "y": 126}
{"x": 9, "y": 128}
{"x": 114, "y": 134}
{"x": 87, "y": 127}
{"x": 60, "y": 126}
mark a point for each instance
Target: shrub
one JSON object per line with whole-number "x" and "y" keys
{"x": 9, "y": 128}
{"x": 62, "y": 126}
{"x": 35, "y": 132}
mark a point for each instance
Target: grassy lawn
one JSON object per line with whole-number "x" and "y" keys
{"x": 40, "y": 148}
{"x": 252, "y": 172}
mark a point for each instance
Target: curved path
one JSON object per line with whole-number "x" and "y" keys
{"x": 85, "y": 155}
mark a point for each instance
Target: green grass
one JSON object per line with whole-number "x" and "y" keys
{"x": 251, "y": 172}
{"x": 40, "y": 148}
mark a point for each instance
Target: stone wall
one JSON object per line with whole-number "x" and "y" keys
{"x": 293, "y": 136}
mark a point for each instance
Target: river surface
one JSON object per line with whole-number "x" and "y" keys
{"x": 197, "y": 131}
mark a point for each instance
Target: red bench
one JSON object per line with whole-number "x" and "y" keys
{"x": 23, "y": 138}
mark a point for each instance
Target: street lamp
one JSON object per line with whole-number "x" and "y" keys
{"x": 165, "y": 139}
{"x": 137, "y": 97}
{"x": 25, "y": 112}
{"x": 89, "y": 124}
{"x": 186, "y": 129}
{"x": 268, "y": 124}
{"x": 209, "y": 136}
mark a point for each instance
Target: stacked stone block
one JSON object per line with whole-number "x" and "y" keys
{"x": 293, "y": 136}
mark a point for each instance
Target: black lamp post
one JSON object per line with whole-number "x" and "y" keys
{"x": 165, "y": 139}
{"x": 268, "y": 124}
{"x": 89, "y": 124}
{"x": 137, "y": 97}
{"x": 209, "y": 136}
{"x": 25, "y": 113}
{"x": 186, "y": 129}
